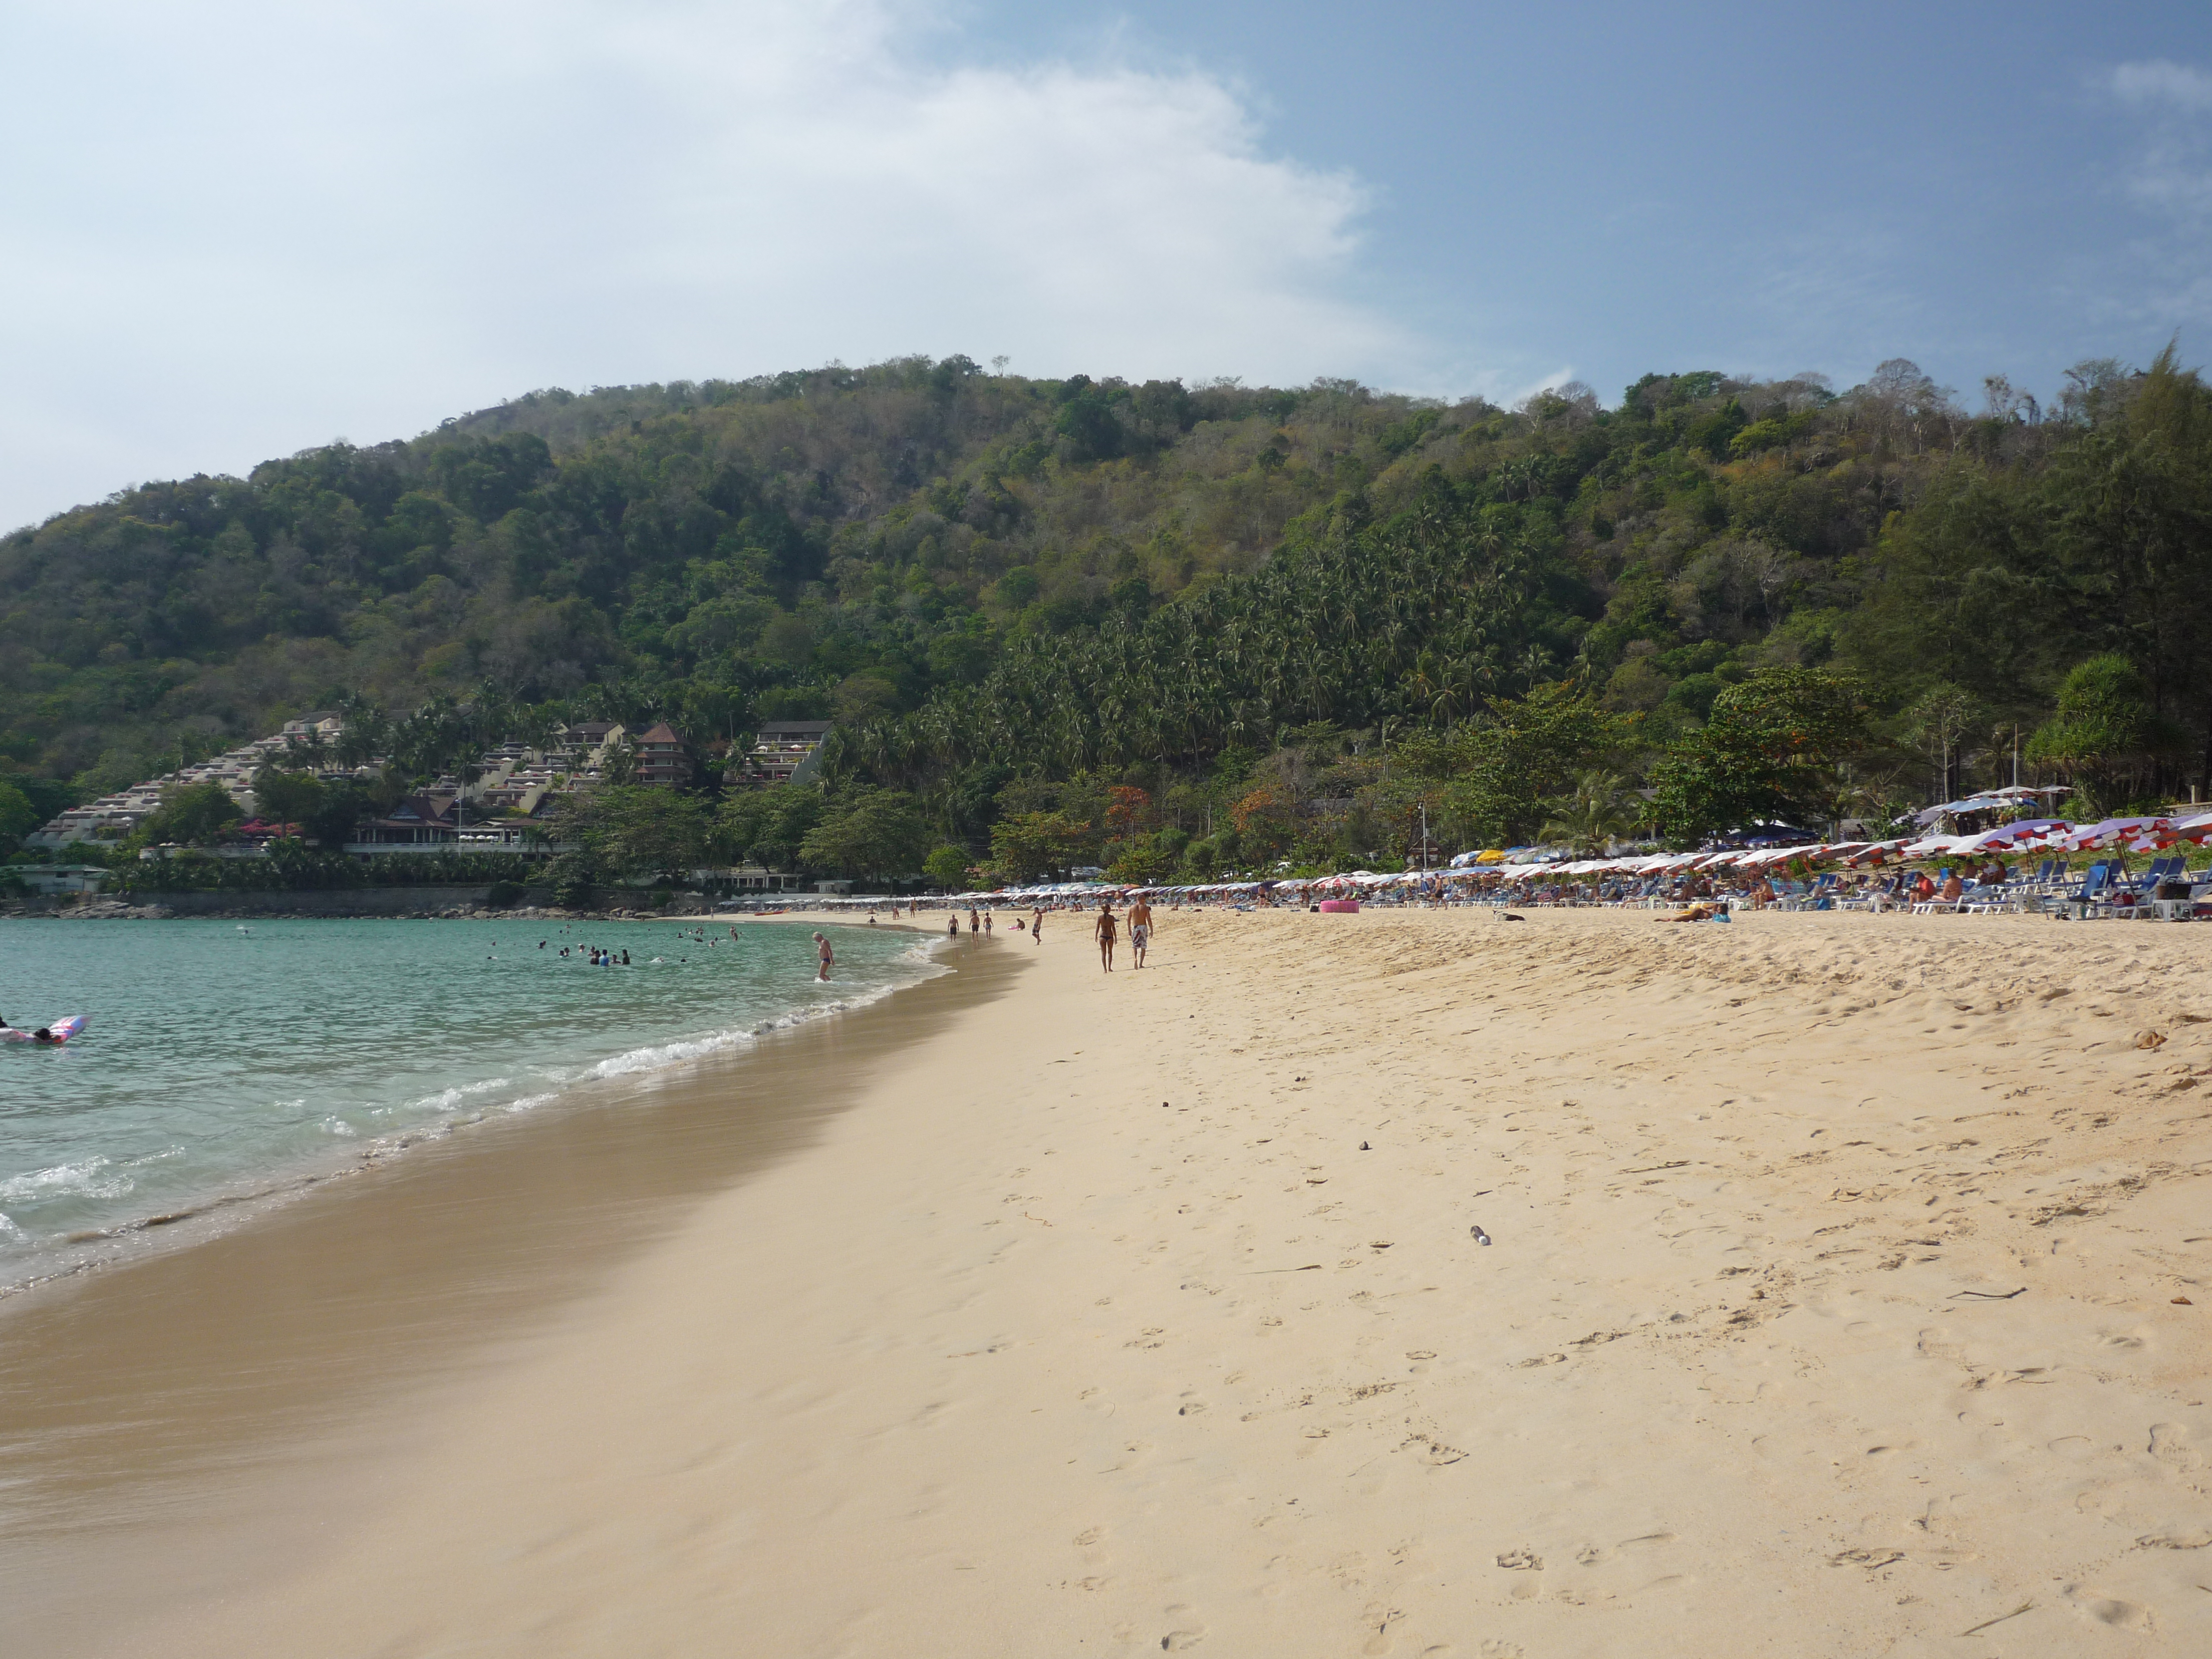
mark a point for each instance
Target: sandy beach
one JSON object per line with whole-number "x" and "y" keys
{"x": 1846, "y": 1293}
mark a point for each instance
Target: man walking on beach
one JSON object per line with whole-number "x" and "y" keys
{"x": 1036, "y": 926}
{"x": 1141, "y": 928}
{"x": 1104, "y": 931}
{"x": 823, "y": 947}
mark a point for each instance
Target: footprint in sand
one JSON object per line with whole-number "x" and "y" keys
{"x": 2109, "y": 1609}
{"x": 1187, "y": 1633}
{"x": 2169, "y": 1443}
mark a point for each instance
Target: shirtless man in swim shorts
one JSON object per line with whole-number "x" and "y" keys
{"x": 823, "y": 948}
{"x": 1105, "y": 933}
{"x": 1140, "y": 929}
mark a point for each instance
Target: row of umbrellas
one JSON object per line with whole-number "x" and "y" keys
{"x": 2133, "y": 834}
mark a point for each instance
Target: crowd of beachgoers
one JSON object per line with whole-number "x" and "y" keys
{"x": 2029, "y": 866}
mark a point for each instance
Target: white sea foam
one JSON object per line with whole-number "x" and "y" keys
{"x": 445, "y": 1099}
{"x": 656, "y": 1056}
{"x": 81, "y": 1180}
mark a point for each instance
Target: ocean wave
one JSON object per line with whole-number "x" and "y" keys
{"x": 447, "y": 1099}
{"x": 80, "y": 1180}
{"x": 655, "y": 1056}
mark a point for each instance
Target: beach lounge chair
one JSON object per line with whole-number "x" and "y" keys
{"x": 1988, "y": 898}
{"x": 2081, "y": 900}
{"x": 1929, "y": 907}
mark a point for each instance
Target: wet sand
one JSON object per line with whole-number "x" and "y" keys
{"x": 1846, "y": 1293}
{"x": 177, "y": 1429}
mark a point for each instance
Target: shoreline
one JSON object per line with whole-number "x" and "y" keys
{"x": 311, "y": 1329}
{"x": 181, "y": 1221}
{"x": 1841, "y": 1293}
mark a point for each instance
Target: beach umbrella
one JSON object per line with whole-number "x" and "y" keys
{"x": 1933, "y": 846}
{"x": 2024, "y": 832}
{"x": 2138, "y": 835}
{"x": 2195, "y": 829}
{"x": 1876, "y": 853}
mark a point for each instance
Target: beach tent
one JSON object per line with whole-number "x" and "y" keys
{"x": 1989, "y": 801}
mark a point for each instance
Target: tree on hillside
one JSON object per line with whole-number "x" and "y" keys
{"x": 1030, "y": 847}
{"x": 1940, "y": 717}
{"x": 195, "y": 814}
{"x": 1497, "y": 776}
{"x": 285, "y": 797}
{"x": 18, "y": 817}
{"x": 1773, "y": 751}
{"x": 768, "y": 826}
{"x": 947, "y": 867}
{"x": 1595, "y": 816}
{"x": 2107, "y": 738}
{"x": 875, "y": 833}
{"x": 2132, "y": 509}
{"x": 639, "y": 832}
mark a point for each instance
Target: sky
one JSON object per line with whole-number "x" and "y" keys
{"x": 233, "y": 231}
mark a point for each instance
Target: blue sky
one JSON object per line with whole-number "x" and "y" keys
{"x": 236, "y": 231}
{"x": 1983, "y": 188}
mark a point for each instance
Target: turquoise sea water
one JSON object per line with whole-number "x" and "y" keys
{"x": 226, "y": 1058}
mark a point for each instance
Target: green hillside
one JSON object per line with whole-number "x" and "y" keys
{"x": 983, "y": 577}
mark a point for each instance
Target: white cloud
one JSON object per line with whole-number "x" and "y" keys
{"x": 2171, "y": 174}
{"x": 225, "y": 240}
{"x": 2158, "y": 82}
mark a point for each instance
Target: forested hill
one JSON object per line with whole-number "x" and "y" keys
{"x": 841, "y": 542}
{"x": 968, "y": 569}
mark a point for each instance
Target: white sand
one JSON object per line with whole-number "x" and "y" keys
{"x": 1022, "y": 1361}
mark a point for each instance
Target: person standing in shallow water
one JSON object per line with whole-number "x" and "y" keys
{"x": 1104, "y": 931}
{"x": 822, "y": 946}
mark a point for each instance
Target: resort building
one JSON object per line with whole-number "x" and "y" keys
{"x": 421, "y": 823}
{"x": 663, "y": 756}
{"x": 755, "y": 879}
{"x": 785, "y": 752}
{"x": 113, "y": 816}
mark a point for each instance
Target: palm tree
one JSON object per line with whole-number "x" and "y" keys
{"x": 1592, "y": 818}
